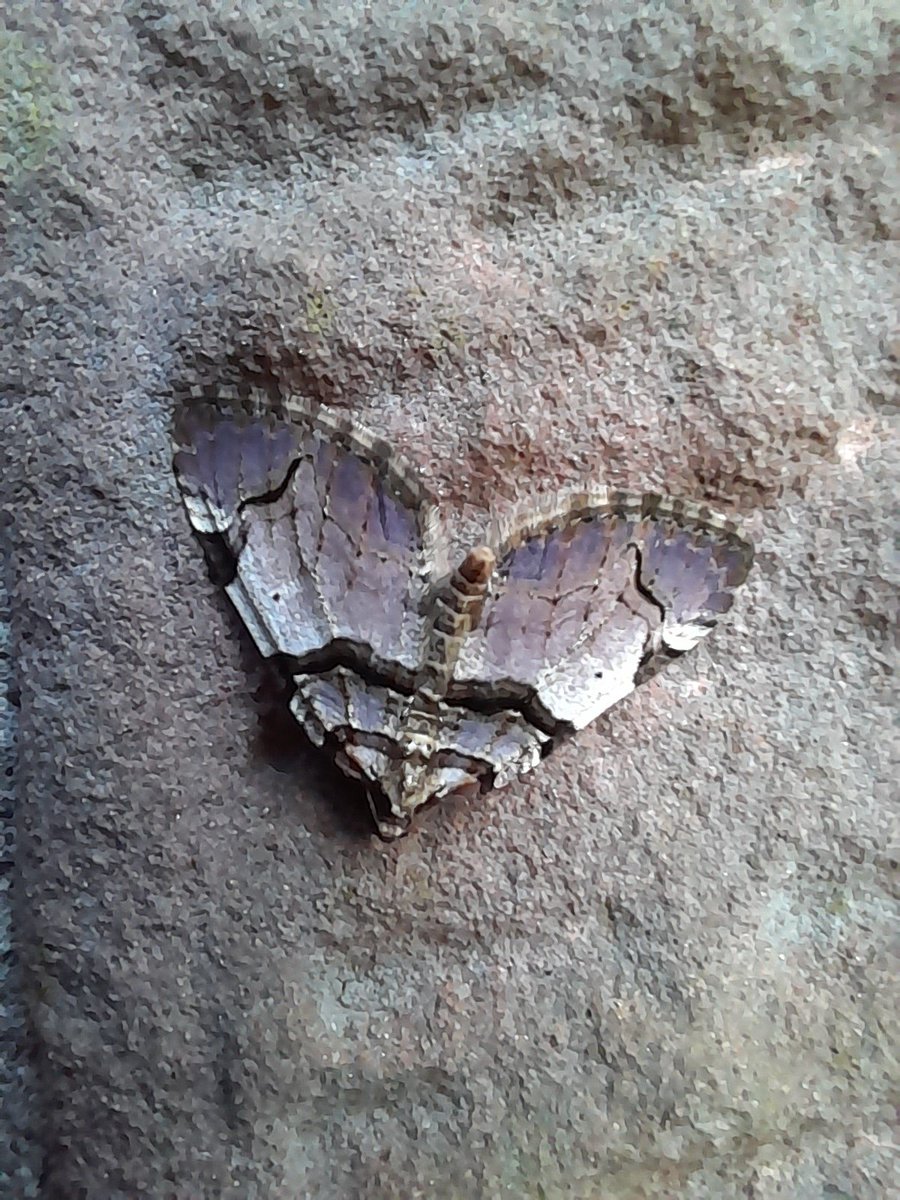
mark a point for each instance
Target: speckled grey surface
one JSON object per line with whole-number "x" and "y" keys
{"x": 532, "y": 245}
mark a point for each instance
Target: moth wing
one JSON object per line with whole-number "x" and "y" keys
{"x": 589, "y": 602}
{"x": 330, "y": 541}
{"x": 226, "y": 455}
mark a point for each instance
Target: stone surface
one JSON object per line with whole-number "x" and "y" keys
{"x": 531, "y": 246}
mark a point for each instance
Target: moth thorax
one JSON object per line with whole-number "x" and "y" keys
{"x": 456, "y": 611}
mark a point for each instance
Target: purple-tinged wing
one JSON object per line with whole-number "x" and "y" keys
{"x": 330, "y": 542}
{"x": 226, "y": 457}
{"x": 692, "y": 564}
{"x": 588, "y": 603}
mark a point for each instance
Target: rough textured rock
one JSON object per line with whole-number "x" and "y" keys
{"x": 532, "y": 245}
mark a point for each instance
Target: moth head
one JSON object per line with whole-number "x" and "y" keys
{"x": 398, "y": 786}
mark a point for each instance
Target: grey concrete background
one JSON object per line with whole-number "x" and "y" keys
{"x": 533, "y": 245}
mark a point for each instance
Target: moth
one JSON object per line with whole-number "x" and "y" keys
{"x": 423, "y": 681}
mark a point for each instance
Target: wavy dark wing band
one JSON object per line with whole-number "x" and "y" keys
{"x": 592, "y": 599}
{"x": 330, "y": 542}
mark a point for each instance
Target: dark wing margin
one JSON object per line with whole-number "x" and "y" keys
{"x": 589, "y": 600}
{"x": 332, "y": 540}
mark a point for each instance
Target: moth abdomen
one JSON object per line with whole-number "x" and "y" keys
{"x": 456, "y": 610}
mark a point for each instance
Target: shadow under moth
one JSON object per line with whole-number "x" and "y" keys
{"x": 423, "y": 681}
